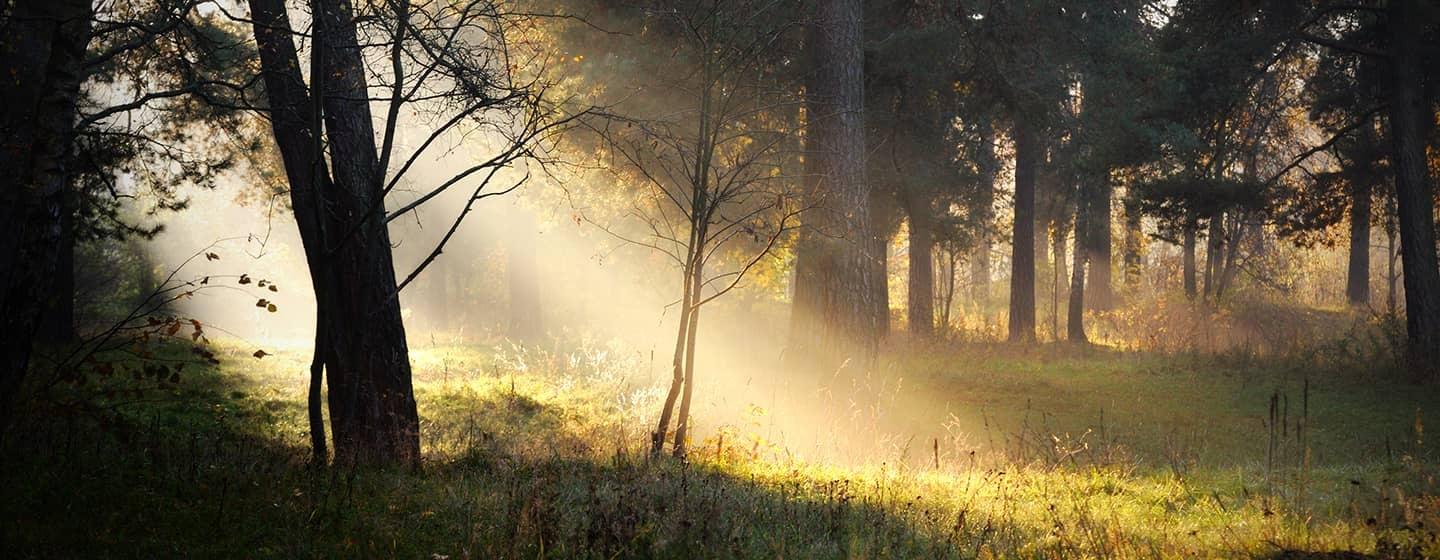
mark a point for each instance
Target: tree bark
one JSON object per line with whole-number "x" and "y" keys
{"x": 1410, "y": 121}
{"x": 58, "y": 326}
{"x": 1357, "y": 278}
{"x": 985, "y": 212}
{"x": 1134, "y": 258}
{"x": 1058, "y": 238}
{"x": 1214, "y": 244}
{"x": 1084, "y": 215}
{"x": 833, "y": 311}
{"x": 921, "y": 296}
{"x": 42, "y": 49}
{"x": 1100, "y": 246}
{"x": 363, "y": 349}
{"x": 1187, "y": 250}
{"x": 1022, "y": 257}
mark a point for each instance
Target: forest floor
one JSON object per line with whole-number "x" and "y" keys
{"x": 984, "y": 450}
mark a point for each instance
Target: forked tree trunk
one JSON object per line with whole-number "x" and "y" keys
{"x": 1357, "y": 278}
{"x": 1022, "y": 258}
{"x": 360, "y": 340}
{"x": 1410, "y": 122}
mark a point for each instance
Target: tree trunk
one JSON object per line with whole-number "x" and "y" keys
{"x": 833, "y": 311}
{"x": 682, "y": 421}
{"x": 1410, "y": 121}
{"x": 1134, "y": 242}
{"x": 42, "y": 49}
{"x": 921, "y": 311}
{"x": 1214, "y": 244}
{"x": 1391, "y": 276}
{"x": 1187, "y": 250}
{"x": 1058, "y": 238}
{"x": 1085, "y": 210}
{"x": 1099, "y": 261}
{"x": 58, "y": 326}
{"x": 1022, "y": 258}
{"x": 985, "y": 212}
{"x": 1357, "y": 279}
{"x": 363, "y": 348}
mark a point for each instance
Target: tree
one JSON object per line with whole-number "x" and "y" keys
{"x": 42, "y": 52}
{"x": 437, "y": 59}
{"x": 700, "y": 144}
{"x": 835, "y": 313}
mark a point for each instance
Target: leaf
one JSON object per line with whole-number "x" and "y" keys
{"x": 271, "y": 308}
{"x": 273, "y": 288}
{"x": 205, "y": 280}
{"x": 212, "y": 257}
{"x": 260, "y": 354}
{"x": 262, "y": 303}
{"x": 244, "y": 278}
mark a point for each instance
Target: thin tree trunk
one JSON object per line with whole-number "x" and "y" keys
{"x": 1084, "y": 213}
{"x": 682, "y": 422}
{"x": 1214, "y": 244}
{"x": 1357, "y": 278}
{"x": 1391, "y": 277}
{"x": 1187, "y": 249}
{"x": 985, "y": 213}
{"x": 1410, "y": 121}
{"x": 1022, "y": 259}
{"x": 1058, "y": 239}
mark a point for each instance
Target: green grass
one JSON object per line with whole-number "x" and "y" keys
{"x": 972, "y": 451}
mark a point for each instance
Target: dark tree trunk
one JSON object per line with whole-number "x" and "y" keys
{"x": 1214, "y": 244}
{"x": 985, "y": 212}
{"x": 1134, "y": 242}
{"x": 360, "y": 335}
{"x": 1058, "y": 277}
{"x": 1085, "y": 210}
{"x": 1022, "y": 258}
{"x": 1098, "y": 240}
{"x": 921, "y": 309}
{"x": 1187, "y": 250}
{"x": 833, "y": 312}
{"x": 1357, "y": 279}
{"x": 58, "y": 326}
{"x": 42, "y": 49}
{"x": 1410, "y": 121}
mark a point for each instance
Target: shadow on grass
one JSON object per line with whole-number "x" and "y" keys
{"x": 213, "y": 468}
